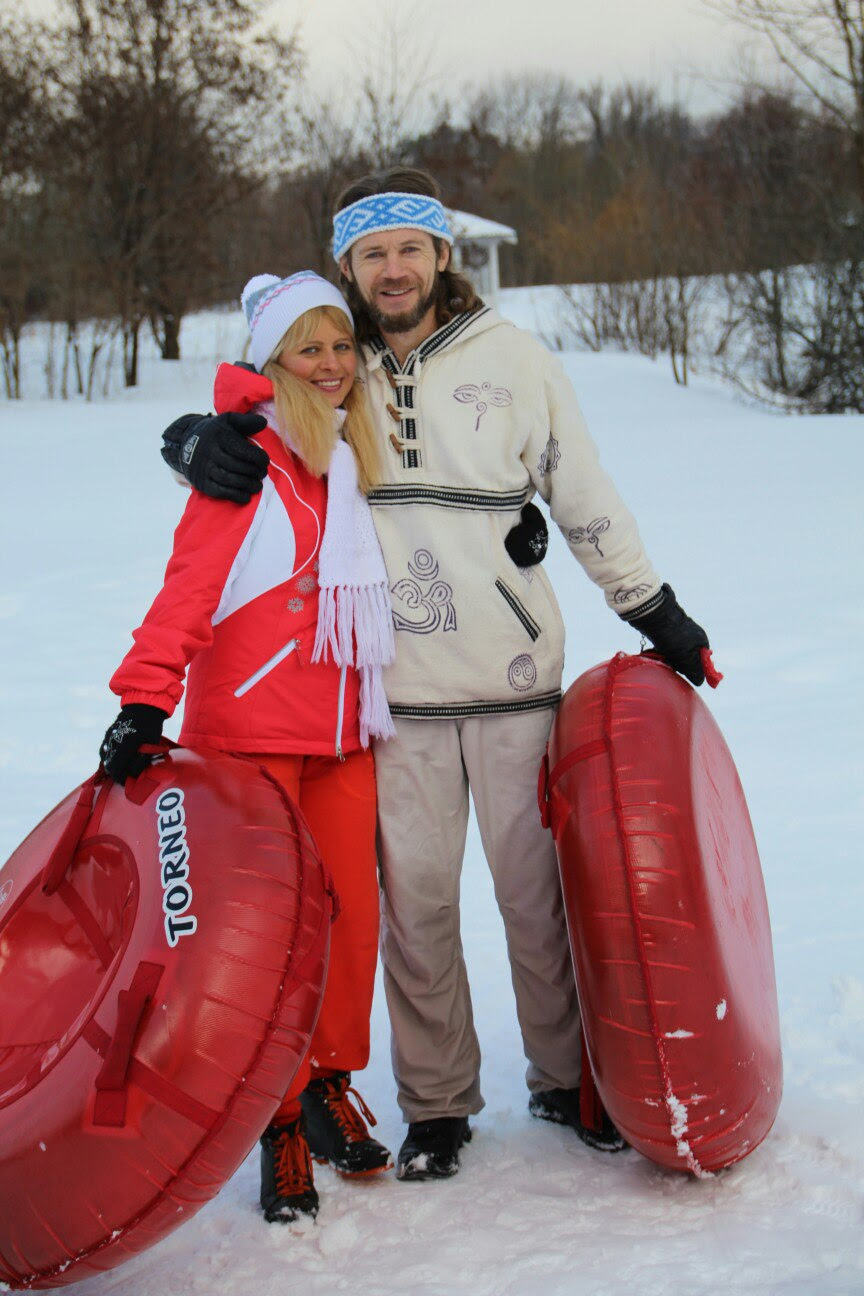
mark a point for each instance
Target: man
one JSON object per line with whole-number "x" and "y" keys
{"x": 474, "y": 417}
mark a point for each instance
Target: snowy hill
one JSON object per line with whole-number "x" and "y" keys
{"x": 755, "y": 521}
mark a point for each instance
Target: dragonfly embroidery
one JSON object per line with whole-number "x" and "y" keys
{"x": 590, "y": 533}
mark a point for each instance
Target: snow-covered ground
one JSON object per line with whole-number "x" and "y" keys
{"x": 755, "y": 520}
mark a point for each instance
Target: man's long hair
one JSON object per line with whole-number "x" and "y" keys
{"x": 455, "y": 292}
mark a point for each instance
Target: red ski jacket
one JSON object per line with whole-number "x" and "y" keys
{"x": 239, "y": 608}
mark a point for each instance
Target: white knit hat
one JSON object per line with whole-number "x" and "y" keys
{"x": 271, "y": 305}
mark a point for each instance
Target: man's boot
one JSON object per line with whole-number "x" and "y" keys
{"x": 431, "y": 1148}
{"x": 562, "y": 1107}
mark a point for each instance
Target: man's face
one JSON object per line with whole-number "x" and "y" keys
{"x": 395, "y": 273}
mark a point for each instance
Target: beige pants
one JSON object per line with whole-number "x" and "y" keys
{"x": 423, "y": 777}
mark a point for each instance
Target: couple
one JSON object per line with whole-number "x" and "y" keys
{"x": 469, "y": 417}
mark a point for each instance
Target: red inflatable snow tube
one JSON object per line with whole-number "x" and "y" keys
{"x": 667, "y": 915}
{"x": 162, "y": 957}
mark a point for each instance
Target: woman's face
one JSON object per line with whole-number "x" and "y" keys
{"x": 327, "y": 361}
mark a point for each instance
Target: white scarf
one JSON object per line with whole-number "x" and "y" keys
{"x": 355, "y": 616}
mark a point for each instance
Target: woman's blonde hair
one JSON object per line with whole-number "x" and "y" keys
{"x": 306, "y": 415}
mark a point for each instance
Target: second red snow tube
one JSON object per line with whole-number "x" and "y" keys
{"x": 667, "y": 915}
{"x": 162, "y": 960}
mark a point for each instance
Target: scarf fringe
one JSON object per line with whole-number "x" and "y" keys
{"x": 375, "y": 718}
{"x": 355, "y": 615}
{"x": 360, "y": 616}
{"x": 355, "y": 625}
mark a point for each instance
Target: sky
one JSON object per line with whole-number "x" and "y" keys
{"x": 677, "y": 45}
{"x": 454, "y": 48}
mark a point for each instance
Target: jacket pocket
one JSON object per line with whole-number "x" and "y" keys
{"x": 518, "y": 609}
{"x": 272, "y": 662}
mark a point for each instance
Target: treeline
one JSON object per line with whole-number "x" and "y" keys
{"x": 132, "y": 134}
{"x": 153, "y": 153}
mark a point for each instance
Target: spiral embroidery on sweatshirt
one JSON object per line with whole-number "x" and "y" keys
{"x": 522, "y": 673}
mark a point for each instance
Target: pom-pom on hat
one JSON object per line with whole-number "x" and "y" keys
{"x": 271, "y": 305}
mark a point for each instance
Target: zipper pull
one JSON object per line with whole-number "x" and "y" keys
{"x": 340, "y": 711}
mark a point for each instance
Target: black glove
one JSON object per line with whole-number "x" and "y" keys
{"x": 215, "y": 456}
{"x": 137, "y": 725}
{"x": 527, "y": 541}
{"x": 675, "y": 635}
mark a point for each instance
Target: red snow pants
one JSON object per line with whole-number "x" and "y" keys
{"x": 338, "y": 801}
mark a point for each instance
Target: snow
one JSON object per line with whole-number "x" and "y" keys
{"x": 678, "y": 1128}
{"x": 755, "y": 520}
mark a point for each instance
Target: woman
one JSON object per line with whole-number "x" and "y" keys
{"x": 280, "y": 610}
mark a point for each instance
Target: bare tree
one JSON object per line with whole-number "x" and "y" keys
{"x": 169, "y": 119}
{"x": 330, "y": 155}
{"x": 384, "y": 102}
{"x": 530, "y": 111}
{"x": 799, "y": 334}
{"x": 821, "y": 44}
{"x": 806, "y": 206}
{"x": 23, "y": 114}
{"x": 399, "y": 73}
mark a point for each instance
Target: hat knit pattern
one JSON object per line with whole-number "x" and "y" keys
{"x": 355, "y": 615}
{"x": 272, "y": 305}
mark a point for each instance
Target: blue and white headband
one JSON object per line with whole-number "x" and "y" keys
{"x": 388, "y": 211}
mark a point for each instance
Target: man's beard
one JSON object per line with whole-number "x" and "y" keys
{"x": 408, "y": 320}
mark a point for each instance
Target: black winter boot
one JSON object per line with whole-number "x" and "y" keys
{"x": 562, "y": 1107}
{"x": 431, "y": 1148}
{"x": 287, "y": 1187}
{"x": 336, "y": 1130}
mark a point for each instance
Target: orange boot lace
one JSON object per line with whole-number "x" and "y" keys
{"x": 335, "y": 1096}
{"x": 293, "y": 1162}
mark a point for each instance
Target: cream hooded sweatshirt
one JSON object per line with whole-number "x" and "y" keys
{"x": 479, "y": 418}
